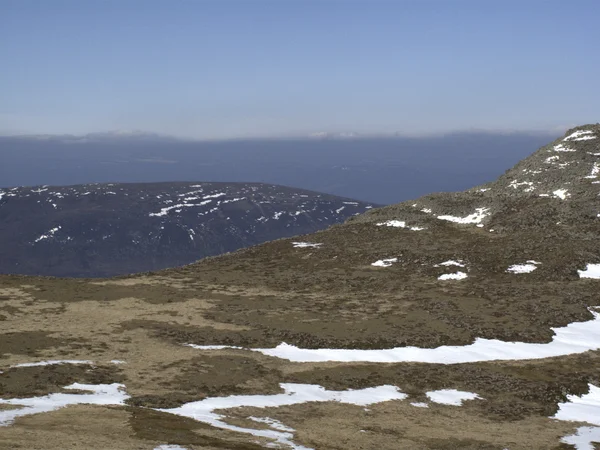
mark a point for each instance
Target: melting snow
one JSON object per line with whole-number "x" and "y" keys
{"x": 583, "y": 438}
{"x": 577, "y": 136}
{"x": 529, "y": 267}
{"x": 516, "y": 184}
{"x": 236, "y": 199}
{"x": 53, "y": 363}
{"x": 169, "y": 447}
{"x": 591, "y": 271}
{"x": 398, "y": 224}
{"x": 420, "y": 405}
{"x": 101, "y": 394}
{"x": 306, "y": 244}
{"x": 272, "y": 423}
{"x": 561, "y": 193}
{"x": 385, "y": 262}
{"x": 453, "y": 276}
{"x": 562, "y": 148}
{"x": 582, "y": 409}
{"x": 294, "y": 394}
{"x": 451, "y": 262}
{"x": 164, "y": 211}
{"x": 595, "y": 171}
{"x": 393, "y": 223}
{"x": 50, "y": 234}
{"x": 450, "y": 396}
{"x": 577, "y": 337}
{"x": 218, "y": 194}
{"x": 476, "y": 217}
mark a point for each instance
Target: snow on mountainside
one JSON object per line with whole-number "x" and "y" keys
{"x": 559, "y": 184}
{"x": 108, "y": 229}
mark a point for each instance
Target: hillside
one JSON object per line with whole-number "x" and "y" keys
{"x": 461, "y": 320}
{"x": 114, "y": 229}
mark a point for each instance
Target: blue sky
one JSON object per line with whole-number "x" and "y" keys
{"x": 251, "y": 68}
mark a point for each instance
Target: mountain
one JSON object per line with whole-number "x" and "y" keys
{"x": 464, "y": 320}
{"x": 114, "y": 229}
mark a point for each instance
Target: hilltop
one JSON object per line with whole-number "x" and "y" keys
{"x": 460, "y": 320}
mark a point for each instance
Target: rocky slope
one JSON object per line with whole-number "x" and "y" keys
{"x": 454, "y": 321}
{"x": 111, "y": 229}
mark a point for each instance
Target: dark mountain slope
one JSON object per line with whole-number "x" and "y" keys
{"x": 109, "y": 229}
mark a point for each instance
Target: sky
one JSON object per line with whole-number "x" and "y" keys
{"x": 258, "y": 68}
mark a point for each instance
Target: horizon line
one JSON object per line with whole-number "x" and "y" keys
{"x": 321, "y": 135}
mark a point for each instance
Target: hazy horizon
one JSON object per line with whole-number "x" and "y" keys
{"x": 124, "y": 135}
{"x": 256, "y": 69}
{"x": 382, "y": 171}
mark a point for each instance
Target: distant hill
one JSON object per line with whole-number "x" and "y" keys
{"x": 111, "y": 229}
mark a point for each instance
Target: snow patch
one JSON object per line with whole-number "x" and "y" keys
{"x": 50, "y": 234}
{"x": 419, "y": 405}
{"x": 476, "y": 217}
{"x": 385, "y": 262}
{"x": 101, "y": 394}
{"x": 576, "y": 136}
{"x": 217, "y": 195}
{"x": 398, "y": 224}
{"x": 595, "y": 171}
{"x": 53, "y": 363}
{"x": 561, "y": 193}
{"x": 585, "y": 408}
{"x": 272, "y": 423}
{"x": 562, "y": 148}
{"x": 591, "y": 271}
{"x": 529, "y": 267}
{"x": 451, "y": 262}
{"x": 450, "y": 396}
{"x": 576, "y": 337}
{"x": 294, "y": 394}
{"x": 165, "y": 211}
{"x": 516, "y": 184}
{"x": 453, "y": 276}
{"x": 306, "y": 245}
